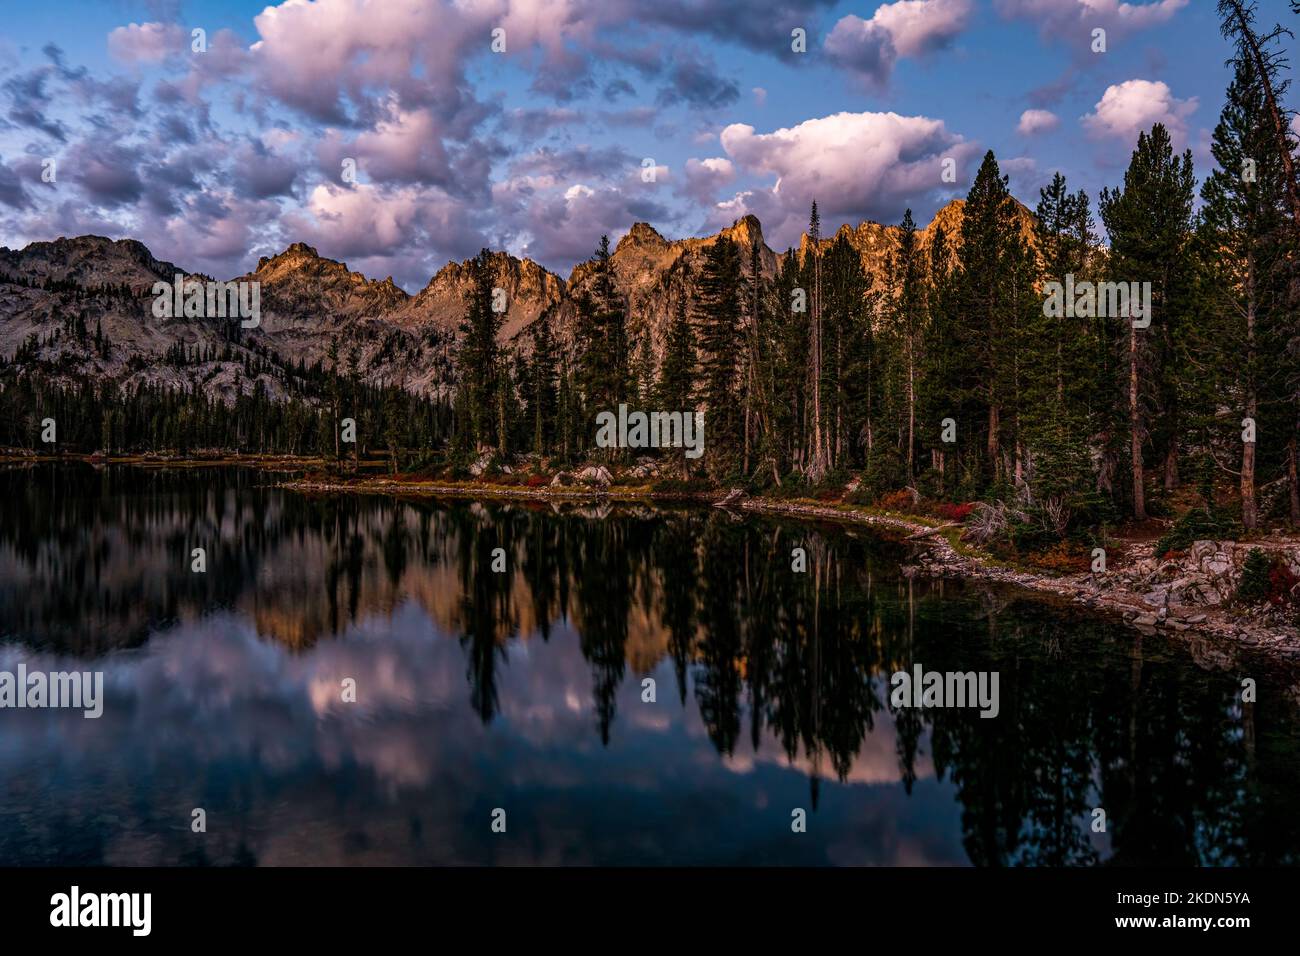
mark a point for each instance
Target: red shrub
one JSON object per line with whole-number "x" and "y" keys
{"x": 1280, "y": 583}
{"x": 954, "y": 512}
{"x": 900, "y": 500}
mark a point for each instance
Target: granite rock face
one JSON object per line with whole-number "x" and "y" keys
{"x": 311, "y": 305}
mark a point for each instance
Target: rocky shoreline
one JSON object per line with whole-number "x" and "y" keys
{"x": 1186, "y": 597}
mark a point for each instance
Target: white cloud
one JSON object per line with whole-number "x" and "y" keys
{"x": 856, "y": 165}
{"x": 146, "y": 42}
{"x": 705, "y": 176}
{"x": 907, "y": 28}
{"x": 1112, "y": 14}
{"x": 1033, "y": 122}
{"x": 1134, "y": 106}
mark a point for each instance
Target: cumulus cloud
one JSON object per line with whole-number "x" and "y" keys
{"x": 908, "y": 28}
{"x": 147, "y": 42}
{"x": 1134, "y": 106}
{"x": 12, "y": 193}
{"x": 108, "y": 172}
{"x": 694, "y": 80}
{"x": 1111, "y": 14}
{"x": 1033, "y": 122}
{"x": 407, "y": 232}
{"x": 558, "y": 224}
{"x": 704, "y": 177}
{"x": 856, "y": 165}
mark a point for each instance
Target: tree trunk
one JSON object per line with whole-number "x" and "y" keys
{"x": 911, "y": 408}
{"x": 1249, "y": 510}
{"x": 1293, "y": 483}
{"x": 993, "y": 438}
{"x": 817, "y": 463}
{"x": 1135, "y": 428}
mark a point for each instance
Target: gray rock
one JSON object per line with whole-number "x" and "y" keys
{"x": 595, "y": 475}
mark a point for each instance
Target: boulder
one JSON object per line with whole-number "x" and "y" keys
{"x": 595, "y": 475}
{"x": 1157, "y": 598}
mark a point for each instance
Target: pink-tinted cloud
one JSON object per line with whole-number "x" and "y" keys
{"x": 1134, "y": 106}
{"x": 1110, "y": 14}
{"x": 908, "y": 28}
{"x": 856, "y": 165}
{"x": 147, "y": 42}
{"x": 704, "y": 177}
{"x": 1033, "y": 122}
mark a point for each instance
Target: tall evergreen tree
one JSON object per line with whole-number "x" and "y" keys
{"x": 603, "y": 360}
{"x": 1149, "y": 223}
{"x": 1244, "y": 336}
{"x": 544, "y": 397}
{"x": 478, "y": 360}
{"x": 716, "y": 314}
{"x": 990, "y": 244}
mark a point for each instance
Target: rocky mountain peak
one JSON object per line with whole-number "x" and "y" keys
{"x": 745, "y": 231}
{"x": 641, "y": 234}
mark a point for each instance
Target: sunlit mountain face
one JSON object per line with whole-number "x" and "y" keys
{"x": 525, "y": 690}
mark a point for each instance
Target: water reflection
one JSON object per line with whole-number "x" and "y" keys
{"x": 523, "y": 690}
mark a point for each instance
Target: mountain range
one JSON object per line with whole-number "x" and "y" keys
{"x": 57, "y": 299}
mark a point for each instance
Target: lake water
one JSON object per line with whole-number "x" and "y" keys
{"x": 522, "y": 690}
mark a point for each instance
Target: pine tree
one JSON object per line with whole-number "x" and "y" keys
{"x": 906, "y": 269}
{"x": 478, "y": 359}
{"x": 716, "y": 314}
{"x": 603, "y": 361}
{"x": 990, "y": 244}
{"x": 676, "y": 388}
{"x": 544, "y": 398}
{"x": 644, "y": 377}
{"x": 1061, "y": 383}
{"x": 819, "y": 454}
{"x": 1242, "y": 345}
{"x": 1149, "y": 223}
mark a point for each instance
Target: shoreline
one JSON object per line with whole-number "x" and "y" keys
{"x": 939, "y": 554}
{"x": 939, "y": 551}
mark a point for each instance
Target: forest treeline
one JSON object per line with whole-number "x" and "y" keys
{"x": 943, "y": 372}
{"x": 946, "y": 373}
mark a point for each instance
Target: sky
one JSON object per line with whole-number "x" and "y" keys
{"x": 391, "y": 135}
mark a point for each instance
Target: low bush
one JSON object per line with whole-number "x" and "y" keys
{"x": 900, "y": 500}
{"x": 952, "y": 512}
{"x": 1266, "y": 578}
{"x": 1196, "y": 525}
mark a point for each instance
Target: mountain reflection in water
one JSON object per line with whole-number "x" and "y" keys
{"x": 523, "y": 690}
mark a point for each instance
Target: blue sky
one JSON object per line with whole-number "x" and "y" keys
{"x": 214, "y": 158}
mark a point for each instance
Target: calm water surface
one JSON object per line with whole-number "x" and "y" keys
{"x": 523, "y": 691}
